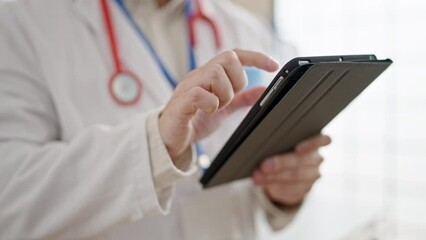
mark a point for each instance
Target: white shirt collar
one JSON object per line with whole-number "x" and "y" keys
{"x": 146, "y": 8}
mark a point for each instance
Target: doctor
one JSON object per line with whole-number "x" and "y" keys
{"x": 99, "y": 141}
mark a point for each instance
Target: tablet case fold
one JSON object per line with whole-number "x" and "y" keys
{"x": 319, "y": 95}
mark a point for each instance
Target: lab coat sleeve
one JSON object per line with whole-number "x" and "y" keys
{"x": 79, "y": 188}
{"x": 165, "y": 171}
{"x": 53, "y": 189}
{"x": 277, "y": 217}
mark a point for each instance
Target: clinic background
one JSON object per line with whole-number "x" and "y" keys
{"x": 379, "y": 144}
{"x": 374, "y": 181}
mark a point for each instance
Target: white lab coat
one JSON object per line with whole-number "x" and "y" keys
{"x": 74, "y": 164}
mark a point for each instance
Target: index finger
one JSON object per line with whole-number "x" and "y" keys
{"x": 233, "y": 62}
{"x": 256, "y": 59}
{"x": 313, "y": 143}
{"x": 288, "y": 161}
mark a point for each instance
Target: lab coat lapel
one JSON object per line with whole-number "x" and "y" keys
{"x": 134, "y": 54}
{"x": 88, "y": 11}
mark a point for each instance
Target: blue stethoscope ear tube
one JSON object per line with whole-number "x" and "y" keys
{"x": 191, "y": 16}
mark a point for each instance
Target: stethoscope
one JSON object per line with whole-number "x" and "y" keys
{"x": 124, "y": 86}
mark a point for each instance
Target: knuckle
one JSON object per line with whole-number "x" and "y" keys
{"x": 239, "y": 84}
{"x": 230, "y": 56}
{"x": 227, "y": 97}
{"x": 195, "y": 94}
{"x": 213, "y": 106}
{"x": 216, "y": 71}
{"x": 315, "y": 158}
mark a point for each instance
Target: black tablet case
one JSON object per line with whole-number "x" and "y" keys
{"x": 319, "y": 95}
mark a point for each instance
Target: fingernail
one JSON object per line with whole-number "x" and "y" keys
{"x": 272, "y": 64}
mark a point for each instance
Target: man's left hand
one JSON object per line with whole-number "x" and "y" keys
{"x": 287, "y": 178}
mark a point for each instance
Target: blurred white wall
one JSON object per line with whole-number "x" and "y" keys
{"x": 262, "y": 9}
{"x": 379, "y": 148}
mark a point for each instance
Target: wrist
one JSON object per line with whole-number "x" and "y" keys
{"x": 175, "y": 151}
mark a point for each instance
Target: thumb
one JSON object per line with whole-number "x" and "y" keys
{"x": 246, "y": 98}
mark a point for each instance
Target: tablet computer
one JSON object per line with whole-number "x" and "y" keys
{"x": 305, "y": 95}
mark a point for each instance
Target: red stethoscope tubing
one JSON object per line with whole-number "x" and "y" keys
{"x": 111, "y": 35}
{"x": 198, "y": 14}
{"x": 193, "y": 16}
{"x": 116, "y": 58}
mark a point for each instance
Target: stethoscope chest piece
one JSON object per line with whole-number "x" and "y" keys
{"x": 125, "y": 88}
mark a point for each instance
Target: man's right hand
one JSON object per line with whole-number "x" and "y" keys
{"x": 207, "y": 95}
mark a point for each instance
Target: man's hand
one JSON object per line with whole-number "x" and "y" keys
{"x": 287, "y": 178}
{"x": 207, "y": 95}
